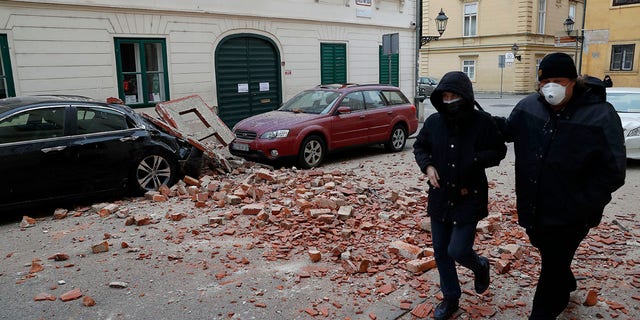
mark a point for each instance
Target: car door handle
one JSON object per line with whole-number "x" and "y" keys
{"x": 362, "y": 117}
{"x": 58, "y": 148}
{"x": 389, "y": 112}
{"x": 130, "y": 138}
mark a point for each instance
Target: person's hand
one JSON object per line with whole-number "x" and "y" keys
{"x": 432, "y": 175}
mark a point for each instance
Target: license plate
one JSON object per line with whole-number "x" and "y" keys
{"x": 240, "y": 146}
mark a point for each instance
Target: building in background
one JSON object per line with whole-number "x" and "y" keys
{"x": 612, "y": 41}
{"x": 481, "y": 36}
{"x": 243, "y": 56}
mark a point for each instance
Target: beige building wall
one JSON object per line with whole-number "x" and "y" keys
{"x": 607, "y": 25}
{"x": 500, "y": 25}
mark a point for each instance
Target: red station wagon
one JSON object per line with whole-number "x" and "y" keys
{"x": 325, "y": 119}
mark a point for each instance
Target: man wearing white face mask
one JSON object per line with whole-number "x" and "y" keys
{"x": 570, "y": 157}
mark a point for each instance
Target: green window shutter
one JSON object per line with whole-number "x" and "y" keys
{"x": 388, "y": 63}
{"x": 333, "y": 63}
{"x": 7, "y": 88}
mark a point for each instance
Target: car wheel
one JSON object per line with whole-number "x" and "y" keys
{"x": 311, "y": 152}
{"x": 397, "y": 140}
{"x": 153, "y": 170}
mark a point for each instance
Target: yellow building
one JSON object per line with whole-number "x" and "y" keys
{"x": 612, "y": 41}
{"x": 480, "y": 35}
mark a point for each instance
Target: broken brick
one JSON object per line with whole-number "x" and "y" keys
{"x": 252, "y": 209}
{"x": 502, "y": 266}
{"x": 71, "y": 295}
{"x": 591, "y": 299}
{"x": 100, "y": 247}
{"x": 27, "y": 222}
{"x": 421, "y": 265}
{"x": 405, "y": 250}
{"x": 314, "y": 255}
{"x": 44, "y": 296}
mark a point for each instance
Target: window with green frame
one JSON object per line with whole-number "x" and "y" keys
{"x": 7, "y": 88}
{"x": 141, "y": 65}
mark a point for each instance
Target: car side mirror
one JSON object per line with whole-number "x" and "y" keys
{"x": 344, "y": 109}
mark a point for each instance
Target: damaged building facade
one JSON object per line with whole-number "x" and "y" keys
{"x": 243, "y": 57}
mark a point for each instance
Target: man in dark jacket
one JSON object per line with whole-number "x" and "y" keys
{"x": 570, "y": 157}
{"x": 453, "y": 149}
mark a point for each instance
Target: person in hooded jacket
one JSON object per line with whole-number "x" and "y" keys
{"x": 569, "y": 158}
{"x": 453, "y": 148}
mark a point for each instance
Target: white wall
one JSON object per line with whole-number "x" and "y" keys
{"x": 61, "y": 49}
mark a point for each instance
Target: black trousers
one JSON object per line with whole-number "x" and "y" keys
{"x": 557, "y": 246}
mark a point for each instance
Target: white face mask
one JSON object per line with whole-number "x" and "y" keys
{"x": 554, "y": 93}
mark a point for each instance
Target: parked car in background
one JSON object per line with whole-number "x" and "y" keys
{"x": 627, "y": 103}
{"x": 426, "y": 86}
{"x": 325, "y": 119}
{"x": 70, "y": 147}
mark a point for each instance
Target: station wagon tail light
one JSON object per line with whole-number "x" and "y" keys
{"x": 275, "y": 134}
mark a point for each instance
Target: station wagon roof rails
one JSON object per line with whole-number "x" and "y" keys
{"x": 378, "y": 84}
{"x": 336, "y": 85}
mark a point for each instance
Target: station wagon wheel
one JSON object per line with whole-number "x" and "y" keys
{"x": 152, "y": 171}
{"x": 312, "y": 152}
{"x": 398, "y": 139}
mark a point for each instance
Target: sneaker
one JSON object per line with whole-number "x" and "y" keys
{"x": 481, "y": 282}
{"x": 445, "y": 309}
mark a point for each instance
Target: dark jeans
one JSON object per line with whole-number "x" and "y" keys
{"x": 557, "y": 245}
{"x": 453, "y": 243}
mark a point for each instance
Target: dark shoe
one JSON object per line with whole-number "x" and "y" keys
{"x": 481, "y": 282}
{"x": 445, "y": 309}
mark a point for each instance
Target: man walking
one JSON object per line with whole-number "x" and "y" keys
{"x": 570, "y": 157}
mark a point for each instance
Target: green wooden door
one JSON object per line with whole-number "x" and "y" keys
{"x": 333, "y": 63}
{"x": 7, "y": 88}
{"x": 248, "y": 77}
{"x": 388, "y": 64}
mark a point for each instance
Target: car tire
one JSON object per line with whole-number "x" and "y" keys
{"x": 312, "y": 152}
{"x": 153, "y": 170}
{"x": 398, "y": 139}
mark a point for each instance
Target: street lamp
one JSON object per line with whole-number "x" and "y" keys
{"x": 568, "y": 28}
{"x": 441, "y": 24}
{"x": 514, "y": 49}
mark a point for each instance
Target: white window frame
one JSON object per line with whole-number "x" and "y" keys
{"x": 542, "y": 15}
{"x": 470, "y": 20}
{"x": 469, "y": 68}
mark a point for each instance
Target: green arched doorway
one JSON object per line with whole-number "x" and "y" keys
{"x": 248, "y": 77}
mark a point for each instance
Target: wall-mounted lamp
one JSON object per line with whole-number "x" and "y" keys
{"x": 514, "y": 49}
{"x": 441, "y": 24}
{"x": 568, "y": 28}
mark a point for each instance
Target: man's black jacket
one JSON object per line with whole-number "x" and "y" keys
{"x": 567, "y": 162}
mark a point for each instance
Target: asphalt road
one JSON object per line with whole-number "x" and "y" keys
{"x": 187, "y": 270}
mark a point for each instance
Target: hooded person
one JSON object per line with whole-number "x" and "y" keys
{"x": 453, "y": 149}
{"x": 570, "y": 156}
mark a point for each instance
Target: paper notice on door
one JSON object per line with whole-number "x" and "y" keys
{"x": 264, "y": 86}
{"x": 243, "y": 87}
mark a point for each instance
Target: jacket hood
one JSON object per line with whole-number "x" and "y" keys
{"x": 456, "y": 82}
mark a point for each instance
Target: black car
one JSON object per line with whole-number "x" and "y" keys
{"x": 70, "y": 147}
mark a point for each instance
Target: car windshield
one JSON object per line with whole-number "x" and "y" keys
{"x": 311, "y": 101}
{"x": 624, "y": 101}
